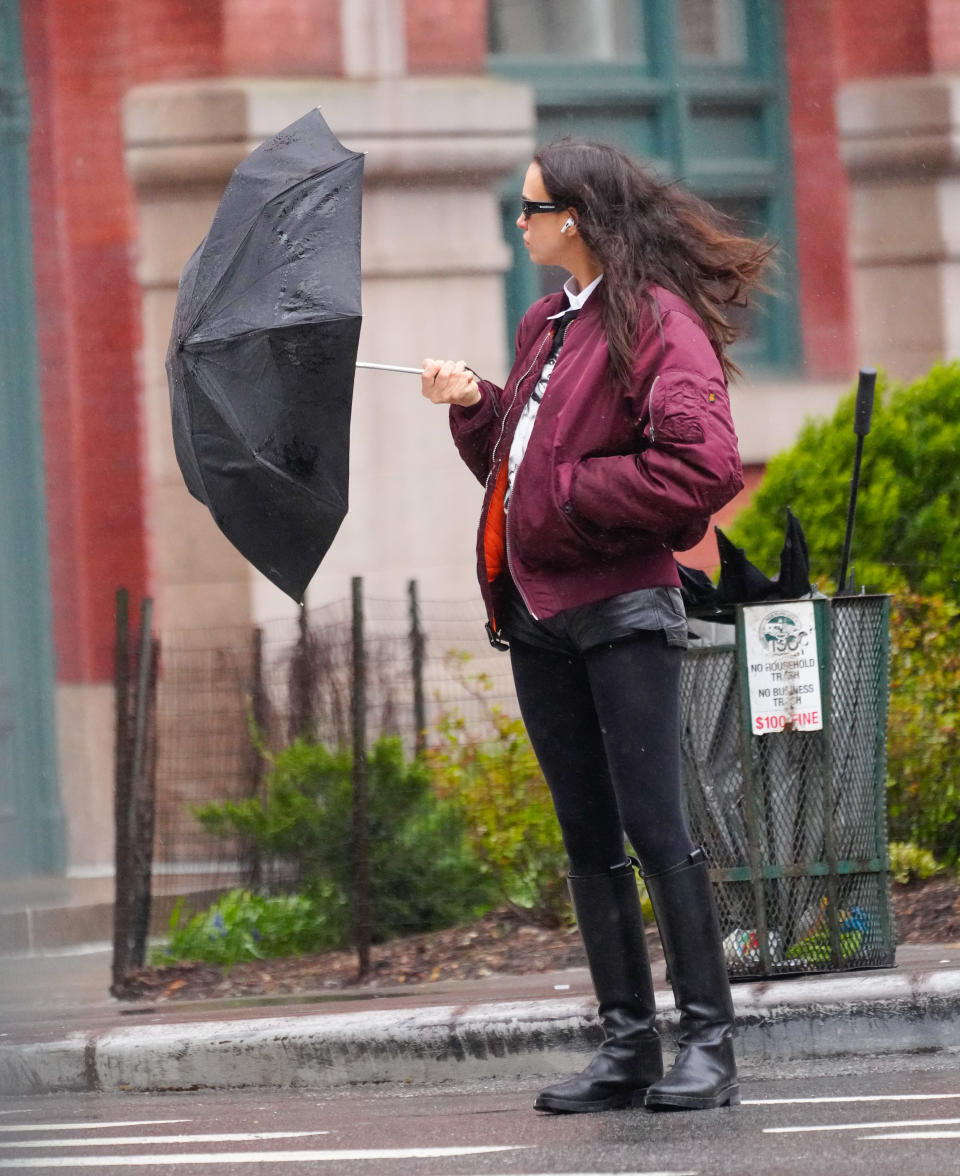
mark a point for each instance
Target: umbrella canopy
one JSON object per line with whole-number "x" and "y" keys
{"x": 261, "y": 358}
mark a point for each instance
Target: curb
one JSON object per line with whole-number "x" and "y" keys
{"x": 785, "y": 1020}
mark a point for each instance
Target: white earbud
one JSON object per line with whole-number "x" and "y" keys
{"x": 569, "y": 223}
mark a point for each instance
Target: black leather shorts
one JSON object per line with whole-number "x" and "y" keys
{"x": 575, "y": 630}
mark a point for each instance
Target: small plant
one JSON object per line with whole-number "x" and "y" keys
{"x": 423, "y": 875}
{"x": 243, "y": 925}
{"x": 908, "y": 861}
{"x": 494, "y": 778}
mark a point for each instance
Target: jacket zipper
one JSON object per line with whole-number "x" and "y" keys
{"x": 516, "y": 389}
{"x": 653, "y": 435}
{"x": 493, "y": 466}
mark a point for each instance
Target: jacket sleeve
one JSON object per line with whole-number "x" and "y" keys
{"x": 475, "y": 428}
{"x": 687, "y": 464}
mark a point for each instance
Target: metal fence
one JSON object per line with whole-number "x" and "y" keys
{"x": 225, "y": 694}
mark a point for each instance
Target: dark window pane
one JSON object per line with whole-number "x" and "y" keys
{"x": 712, "y": 31}
{"x": 590, "y": 30}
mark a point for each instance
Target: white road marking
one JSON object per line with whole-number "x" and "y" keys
{"x": 917, "y": 1135}
{"x": 846, "y": 1098}
{"x": 227, "y": 1137}
{"x": 261, "y": 1157}
{"x": 87, "y": 1126}
{"x": 860, "y": 1126}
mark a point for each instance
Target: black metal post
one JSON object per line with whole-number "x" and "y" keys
{"x": 121, "y": 791}
{"x": 416, "y": 670}
{"x": 861, "y": 426}
{"x": 361, "y": 840}
{"x": 143, "y": 814}
{"x": 258, "y": 722}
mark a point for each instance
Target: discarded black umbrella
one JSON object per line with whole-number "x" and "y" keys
{"x": 742, "y": 582}
{"x": 261, "y": 359}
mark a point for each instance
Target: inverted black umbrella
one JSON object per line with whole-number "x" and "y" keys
{"x": 742, "y": 582}
{"x": 261, "y": 358}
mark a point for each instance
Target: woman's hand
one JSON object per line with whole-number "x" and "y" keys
{"x": 446, "y": 382}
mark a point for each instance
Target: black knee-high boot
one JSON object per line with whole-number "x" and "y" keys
{"x": 704, "y": 1074}
{"x": 611, "y": 926}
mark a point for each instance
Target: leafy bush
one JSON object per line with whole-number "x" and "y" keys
{"x": 422, "y": 873}
{"x": 495, "y": 780}
{"x": 908, "y": 861}
{"x": 906, "y": 527}
{"x": 923, "y": 733}
{"x": 246, "y": 926}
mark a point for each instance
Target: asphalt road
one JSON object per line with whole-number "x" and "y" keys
{"x": 887, "y": 1117}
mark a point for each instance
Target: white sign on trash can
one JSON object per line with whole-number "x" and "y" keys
{"x": 783, "y": 667}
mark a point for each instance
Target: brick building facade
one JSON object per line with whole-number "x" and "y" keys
{"x": 140, "y": 109}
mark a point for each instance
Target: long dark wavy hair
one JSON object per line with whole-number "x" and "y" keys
{"x": 645, "y": 231}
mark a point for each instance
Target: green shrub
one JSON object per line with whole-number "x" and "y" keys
{"x": 923, "y": 733}
{"x": 494, "y": 778}
{"x": 909, "y": 861}
{"x": 906, "y": 532}
{"x": 242, "y": 925}
{"x": 422, "y": 873}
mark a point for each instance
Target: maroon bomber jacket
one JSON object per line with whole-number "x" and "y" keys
{"x": 614, "y": 479}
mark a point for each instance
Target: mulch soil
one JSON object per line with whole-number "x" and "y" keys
{"x": 498, "y": 944}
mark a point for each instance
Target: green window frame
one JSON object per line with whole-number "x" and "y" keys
{"x": 32, "y": 838}
{"x": 718, "y": 125}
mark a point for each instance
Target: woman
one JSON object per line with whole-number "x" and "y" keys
{"x": 609, "y": 448}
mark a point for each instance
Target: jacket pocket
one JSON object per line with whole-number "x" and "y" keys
{"x": 593, "y": 541}
{"x": 677, "y": 406}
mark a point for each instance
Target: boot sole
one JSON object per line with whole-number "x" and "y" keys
{"x": 570, "y": 1106}
{"x": 689, "y": 1102}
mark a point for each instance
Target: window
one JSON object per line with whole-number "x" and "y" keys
{"x": 695, "y": 87}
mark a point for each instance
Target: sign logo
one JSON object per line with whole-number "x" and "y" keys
{"x": 781, "y": 632}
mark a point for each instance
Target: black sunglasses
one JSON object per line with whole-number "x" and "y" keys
{"x": 529, "y": 207}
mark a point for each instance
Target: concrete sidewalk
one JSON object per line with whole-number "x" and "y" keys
{"x": 61, "y": 1031}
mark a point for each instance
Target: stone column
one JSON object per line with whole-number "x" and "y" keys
{"x": 433, "y": 263}
{"x": 900, "y": 142}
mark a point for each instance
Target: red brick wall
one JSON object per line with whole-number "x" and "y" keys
{"x": 282, "y": 37}
{"x": 88, "y": 324}
{"x": 170, "y": 39}
{"x": 881, "y": 38}
{"x": 943, "y": 30}
{"x": 446, "y": 36}
{"x": 821, "y": 191}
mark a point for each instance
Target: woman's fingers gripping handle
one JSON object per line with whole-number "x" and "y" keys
{"x": 445, "y": 381}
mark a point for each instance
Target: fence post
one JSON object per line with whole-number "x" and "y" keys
{"x": 123, "y": 757}
{"x": 144, "y": 781}
{"x": 303, "y": 722}
{"x": 254, "y": 774}
{"x": 361, "y": 841}
{"x": 416, "y": 669}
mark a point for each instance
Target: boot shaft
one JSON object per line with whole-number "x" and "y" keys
{"x": 686, "y": 913}
{"x": 611, "y": 926}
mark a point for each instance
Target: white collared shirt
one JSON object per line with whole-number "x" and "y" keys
{"x": 521, "y": 438}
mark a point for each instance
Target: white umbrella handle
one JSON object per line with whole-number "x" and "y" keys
{"x": 391, "y": 367}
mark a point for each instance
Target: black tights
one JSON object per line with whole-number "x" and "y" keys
{"x": 605, "y": 728}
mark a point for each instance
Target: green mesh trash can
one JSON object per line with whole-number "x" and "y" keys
{"x": 793, "y": 820}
